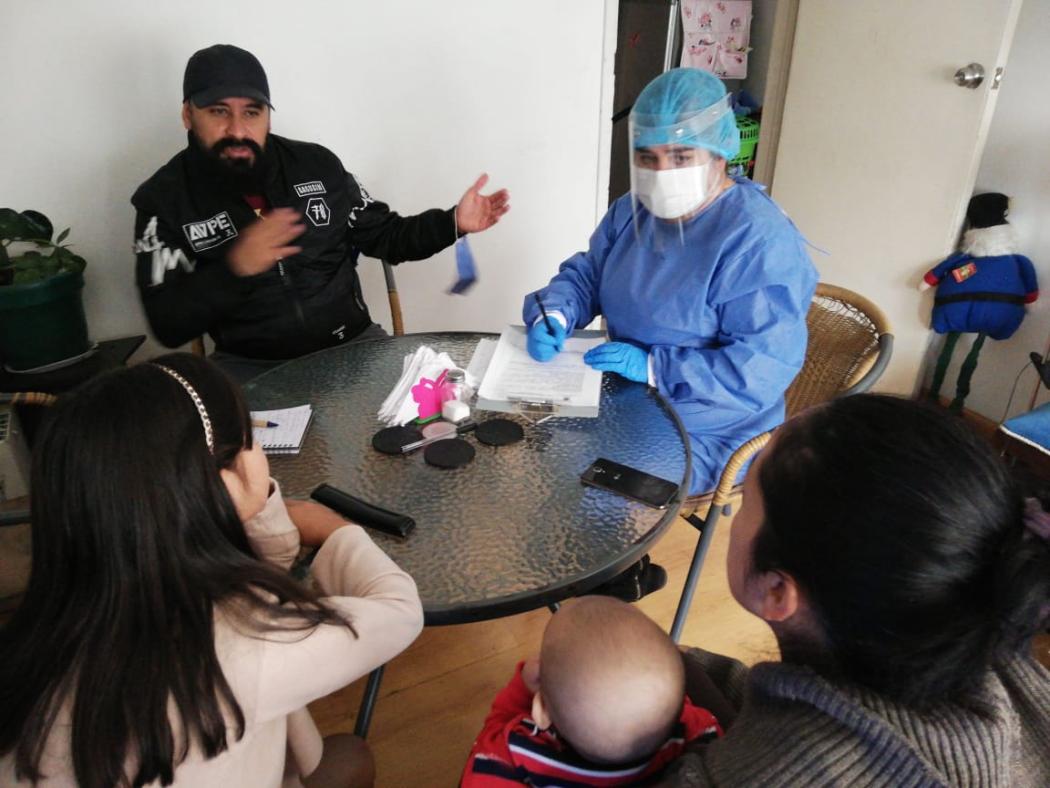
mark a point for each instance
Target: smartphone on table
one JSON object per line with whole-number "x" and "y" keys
{"x": 630, "y": 483}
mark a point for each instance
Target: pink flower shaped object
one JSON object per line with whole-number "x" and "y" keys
{"x": 427, "y": 394}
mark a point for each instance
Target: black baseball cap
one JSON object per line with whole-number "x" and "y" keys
{"x": 222, "y": 71}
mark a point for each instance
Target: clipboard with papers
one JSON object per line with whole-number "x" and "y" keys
{"x": 513, "y": 382}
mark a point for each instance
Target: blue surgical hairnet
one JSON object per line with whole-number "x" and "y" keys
{"x": 664, "y": 109}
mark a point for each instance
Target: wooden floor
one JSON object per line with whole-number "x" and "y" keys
{"x": 435, "y": 696}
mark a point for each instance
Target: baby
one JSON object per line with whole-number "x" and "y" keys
{"x": 605, "y": 704}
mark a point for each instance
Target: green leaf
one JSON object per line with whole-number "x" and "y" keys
{"x": 9, "y": 219}
{"x": 62, "y": 236}
{"x": 26, "y": 259}
{"x": 5, "y": 259}
{"x": 25, "y": 277}
{"x": 77, "y": 263}
{"x": 38, "y": 225}
{"x": 14, "y": 225}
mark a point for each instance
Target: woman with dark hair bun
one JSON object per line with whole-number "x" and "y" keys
{"x": 160, "y": 640}
{"x": 904, "y": 576}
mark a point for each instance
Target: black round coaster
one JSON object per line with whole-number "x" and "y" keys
{"x": 451, "y": 453}
{"x": 499, "y": 432}
{"x": 391, "y": 439}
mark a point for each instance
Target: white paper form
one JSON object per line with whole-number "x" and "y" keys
{"x": 479, "y": 362}
{"x": 565, "y": 383}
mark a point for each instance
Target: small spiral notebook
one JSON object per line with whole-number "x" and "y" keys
{"x": 287, "y": 436}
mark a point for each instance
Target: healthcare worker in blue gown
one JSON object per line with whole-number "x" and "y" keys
{"x": 703, "y": 280}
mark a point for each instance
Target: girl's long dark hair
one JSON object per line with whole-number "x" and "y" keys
{"x": 906, "y": 533}
{"x": 135, "y": 542}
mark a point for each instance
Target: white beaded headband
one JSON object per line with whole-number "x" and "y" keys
{"x": 205, "y": 421}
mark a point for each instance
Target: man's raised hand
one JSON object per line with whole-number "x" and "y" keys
{"x": 266, "y": 241}
{"x": 477, "y": 211}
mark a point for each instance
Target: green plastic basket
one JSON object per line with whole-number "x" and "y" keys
{"x": 748, "y": 139}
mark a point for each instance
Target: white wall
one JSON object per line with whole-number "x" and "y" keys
{"x": 416, "y": 97}
{"x": 1017, "y": 162}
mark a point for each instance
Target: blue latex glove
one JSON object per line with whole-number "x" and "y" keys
{"x": 542, "y": 344}
{"x": 622, "y": 358}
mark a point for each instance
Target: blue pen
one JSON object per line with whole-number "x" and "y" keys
{"x": 546, "y": 319}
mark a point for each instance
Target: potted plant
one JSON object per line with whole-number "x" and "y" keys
{"x": 42, "y": 321}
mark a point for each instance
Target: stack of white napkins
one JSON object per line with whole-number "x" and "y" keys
{"x": 399, "y": 407}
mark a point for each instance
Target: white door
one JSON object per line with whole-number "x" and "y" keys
{"x": 879, "y": 148}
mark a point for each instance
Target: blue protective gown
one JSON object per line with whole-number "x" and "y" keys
{"x": 722, "y": 312}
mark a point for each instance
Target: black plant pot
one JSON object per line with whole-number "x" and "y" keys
{"x": 42, "y": 323}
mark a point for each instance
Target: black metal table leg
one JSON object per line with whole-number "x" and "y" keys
{"x": 707, "y": 530}
{"x": 368, "y": 702}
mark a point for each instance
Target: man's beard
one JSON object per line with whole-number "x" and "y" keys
{"x": 243, "y": 175}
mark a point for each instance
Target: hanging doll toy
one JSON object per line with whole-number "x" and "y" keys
{"x": 981, "y": 290}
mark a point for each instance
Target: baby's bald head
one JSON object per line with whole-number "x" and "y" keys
{"x": 611, "y": 681}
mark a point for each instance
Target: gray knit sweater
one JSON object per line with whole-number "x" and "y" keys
{"x": 795, "y": 728}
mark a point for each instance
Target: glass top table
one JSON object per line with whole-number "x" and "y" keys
{"x": 514, "y": 529}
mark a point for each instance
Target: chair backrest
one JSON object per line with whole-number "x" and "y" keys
{"x": 395, "y": 300}
{"x": 14, "y": 498}
{"x": 850, "y": 343}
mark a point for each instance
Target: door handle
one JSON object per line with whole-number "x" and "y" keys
{"x": 970, "y": 76}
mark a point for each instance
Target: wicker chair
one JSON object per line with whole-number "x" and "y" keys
{"x": 850, "y": 343}
{"x": 28, "y": 398}
{"x": 14, "y": 512}
{"x": 396, "y": 320}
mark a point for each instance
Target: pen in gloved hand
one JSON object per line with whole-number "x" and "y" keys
{"x": 546, "y": 319}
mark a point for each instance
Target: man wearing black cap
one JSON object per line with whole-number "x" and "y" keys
{"x": 253, "y": 238}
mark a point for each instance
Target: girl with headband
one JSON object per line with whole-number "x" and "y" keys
{"x": 161, "y": 639}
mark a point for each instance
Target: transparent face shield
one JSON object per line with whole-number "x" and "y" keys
{"x": 673, "y": 174}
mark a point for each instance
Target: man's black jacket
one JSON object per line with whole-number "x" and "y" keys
{"x": 188, "y": 219}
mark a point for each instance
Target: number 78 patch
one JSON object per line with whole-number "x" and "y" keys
{"x": 317, "y": 212}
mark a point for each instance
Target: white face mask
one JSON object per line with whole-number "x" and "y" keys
{"x": 671, "y": 194}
